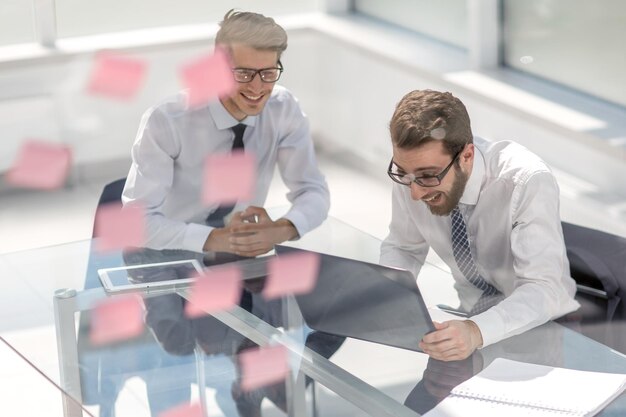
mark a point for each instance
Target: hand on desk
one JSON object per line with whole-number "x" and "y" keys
{"x": 452, "y": 340}
{"x": 250, "y": 233}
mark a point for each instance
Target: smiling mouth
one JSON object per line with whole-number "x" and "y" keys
{"x": 432, "y": 199}
{"x": 254, "y": 99}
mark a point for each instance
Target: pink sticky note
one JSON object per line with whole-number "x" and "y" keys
{"x": 228, "y": 178}
{"x": 217, "y": 289}
{"x": 40, "y": 165}
{"x": 184, "y": 410}
{"x": 208, "y": 78}
{"x": 294, "y": 273}
{"x": 117, "y": 76}
{"x": 118, "y": 228}
{"x": 263, "y": 366}
{"x": 116, "y": 319}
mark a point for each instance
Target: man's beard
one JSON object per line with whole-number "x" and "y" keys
{"x": 452, "y": 198}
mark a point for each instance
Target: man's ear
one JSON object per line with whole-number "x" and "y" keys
{"x": 467, "y": 156}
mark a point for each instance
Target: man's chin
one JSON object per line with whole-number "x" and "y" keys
{"x": 441, "y": 210}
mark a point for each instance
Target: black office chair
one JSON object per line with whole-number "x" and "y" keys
{"x": 598, "y": 265}
{"x": 111, "y": 193}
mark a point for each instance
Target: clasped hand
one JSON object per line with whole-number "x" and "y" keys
{"x": 250, "y": 233}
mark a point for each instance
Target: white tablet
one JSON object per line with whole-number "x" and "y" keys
{"x": 161, "y": 276}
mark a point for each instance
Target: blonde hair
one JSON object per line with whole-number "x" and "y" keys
{"x": 253, "y": 30}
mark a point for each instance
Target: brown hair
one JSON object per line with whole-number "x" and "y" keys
{"x": 426, "y": 115}
{"x": 251, "y": 29}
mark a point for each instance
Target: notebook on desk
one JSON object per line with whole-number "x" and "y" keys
{"x": 365, "y": 301}
{"x": 510, "y": 388}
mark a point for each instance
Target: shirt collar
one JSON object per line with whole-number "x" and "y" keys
{"x": 472, "y": 188}
{"x": 224, "y": 120}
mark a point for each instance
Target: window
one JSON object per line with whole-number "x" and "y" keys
{"x": 81, "y": 17}
{"x": 16, "y": 21}
{"x": 445, "y": 20}
{"x": 578, "y": 43}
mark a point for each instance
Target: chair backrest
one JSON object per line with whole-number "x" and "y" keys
{"x": 598, "y": 265}
{"x": 111, "y": 193}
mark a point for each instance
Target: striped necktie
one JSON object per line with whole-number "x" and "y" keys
{"x": 465, "y": 262}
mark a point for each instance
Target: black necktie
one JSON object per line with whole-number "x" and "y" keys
{"x": 238, "y": 129}
{"x": 216, "y": 219}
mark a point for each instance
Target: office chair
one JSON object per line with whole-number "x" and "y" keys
{"x": 598, "y": 265}
{"x": 104, "y": 373}
{"x": 111, "y": 193}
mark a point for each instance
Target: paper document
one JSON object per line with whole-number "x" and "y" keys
{"x": 511, "y": 388}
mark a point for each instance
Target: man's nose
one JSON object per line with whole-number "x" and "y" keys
{"x": 417, "y": 191}
{"x": 256, "y": 82}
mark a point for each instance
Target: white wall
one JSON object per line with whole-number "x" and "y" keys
{"x": 349, "y": 92}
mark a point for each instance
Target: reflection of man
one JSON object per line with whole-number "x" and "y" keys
{"x": 489, "y": 210}
{"x": 173, "y": 141}
{"x": 439, "y": 379}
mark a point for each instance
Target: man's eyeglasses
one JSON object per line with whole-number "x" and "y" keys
{"x": 423, "y": 181}
{"x": 268, "y": 75}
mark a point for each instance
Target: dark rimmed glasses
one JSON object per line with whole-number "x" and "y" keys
{"x": 268, "y": 75}
{"x": 423, "y": 181}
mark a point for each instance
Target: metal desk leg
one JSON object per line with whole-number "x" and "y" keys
{"x": 200, "y": 373}
{"x": 67, "y": 349}
{"x": 296, "y": 387}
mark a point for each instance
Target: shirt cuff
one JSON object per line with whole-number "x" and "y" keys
{"x": 299, "y": 221}
{"x": 196, "y": 236}
{"x": 491, "y": 326}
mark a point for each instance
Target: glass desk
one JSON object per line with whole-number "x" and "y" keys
{"x": 178, "y": 360}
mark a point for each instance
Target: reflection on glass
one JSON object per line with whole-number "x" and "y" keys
{"x": 175, "y": 354}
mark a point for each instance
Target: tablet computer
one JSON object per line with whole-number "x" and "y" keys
{"x": 172, "y": 275}
{"x": 160, "y": 275}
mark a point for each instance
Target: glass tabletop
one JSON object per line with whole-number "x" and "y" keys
{"x": 339, "y": 361}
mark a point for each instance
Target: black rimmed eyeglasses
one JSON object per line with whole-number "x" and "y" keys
{"x": 423, "y": 181}
{"x": 268, "y": 75}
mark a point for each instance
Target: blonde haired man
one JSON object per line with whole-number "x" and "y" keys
{"x": 173, "y": 140}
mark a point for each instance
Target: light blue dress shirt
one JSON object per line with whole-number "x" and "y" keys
{"x": 170, "y": 149}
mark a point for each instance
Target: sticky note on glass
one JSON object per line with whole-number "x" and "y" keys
{"x": 263, "y": 366}
{"x": 294, "y": 340}
{"x": 293, "y": 273}
{"x": 118, "y": 227}
{"x": 116, "y": 319}
{"x": 184, "y": 410}
{"x": 115, "y": 76}
{"x": 40, "y": 165}
{"x": 217, "y": 289}
{"x": 228, "y": 178}
{"x": 208, "y": 78}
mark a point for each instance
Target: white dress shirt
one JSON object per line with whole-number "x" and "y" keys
{"x": 170, "y": 149}
{"x": 511, "y": 208}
